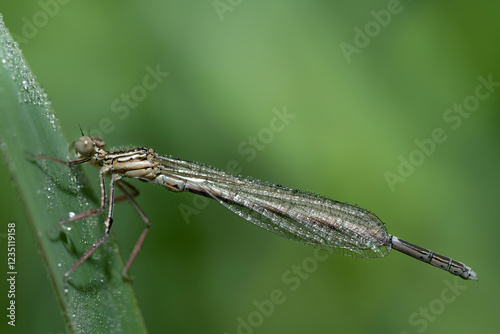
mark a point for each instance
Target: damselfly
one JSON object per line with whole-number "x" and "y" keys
{"x": 301, "y": 216}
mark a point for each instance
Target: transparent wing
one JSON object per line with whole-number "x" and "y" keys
{"x": 307, "y": 218}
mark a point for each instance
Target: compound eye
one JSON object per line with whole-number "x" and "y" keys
{"x": 84, "y": 146}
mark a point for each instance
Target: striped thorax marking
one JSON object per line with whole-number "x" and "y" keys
{"x": 136, "y": 163}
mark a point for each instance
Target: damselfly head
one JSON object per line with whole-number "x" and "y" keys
{"x": 84, "y": 146}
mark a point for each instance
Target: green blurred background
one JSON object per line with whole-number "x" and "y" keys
{"x": 229, "y": 67}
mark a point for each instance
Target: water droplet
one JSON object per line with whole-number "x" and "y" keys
{"x": 71, "y": 214}
{"x": 13, "y": 61}
{"x": 59, "y": 264}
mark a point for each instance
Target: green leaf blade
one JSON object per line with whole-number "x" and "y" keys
{"x": 98, "y": 300}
